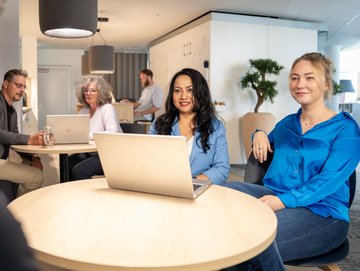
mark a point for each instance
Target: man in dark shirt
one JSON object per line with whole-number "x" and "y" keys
{"x": 28, "y": 176}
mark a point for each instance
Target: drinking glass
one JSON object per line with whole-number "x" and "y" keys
{"x": 48, "y": 136}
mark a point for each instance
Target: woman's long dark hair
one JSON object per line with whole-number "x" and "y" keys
{"x": 203, "y": 107}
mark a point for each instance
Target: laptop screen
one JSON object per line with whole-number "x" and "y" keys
{"x": 69, "y": 129}
{"x": 146, "y": 163}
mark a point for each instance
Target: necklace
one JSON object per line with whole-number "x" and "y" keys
{"x": 318, "y": 118}
{"x": 305, "y": 122}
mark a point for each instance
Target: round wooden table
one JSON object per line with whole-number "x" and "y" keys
{"x": 85, "y": 225}
{"x": 62, "y": 149}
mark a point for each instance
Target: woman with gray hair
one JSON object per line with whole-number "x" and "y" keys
{"x": 94, "y": 94}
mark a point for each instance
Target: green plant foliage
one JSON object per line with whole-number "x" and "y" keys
{"x": 336, "y": 88}
{"x": 256, "y": 79}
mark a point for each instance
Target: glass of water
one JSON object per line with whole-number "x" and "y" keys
{"x": 48, "y": 136}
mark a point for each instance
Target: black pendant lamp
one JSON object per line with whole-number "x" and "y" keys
{"x": 68, "y": 18}
{"x": 85, "y": 63}
{"x": 101, "y": 59}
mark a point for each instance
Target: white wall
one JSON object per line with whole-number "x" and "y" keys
{"x": 232, "y": 44}
{"x": 10, "y": 43}
{"x": 29, "y": 63}
{"x": 350, "y": 66}
{"x": 188, "y": 49}
{"x": 64, "y": 58}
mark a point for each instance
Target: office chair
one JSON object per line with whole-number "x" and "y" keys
{"x": 133, "y": 128}
{"x": 9, "y": 189}
{"x": 254, "y": 173}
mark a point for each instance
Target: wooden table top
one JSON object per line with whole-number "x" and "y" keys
{"x": 56, "y": 149}
{"x": 85, "y": 225}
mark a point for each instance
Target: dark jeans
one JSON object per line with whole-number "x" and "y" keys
{"x": 300, "y": 234}
{"x": 268, "y": 260}
{"x": 84, "y": 166}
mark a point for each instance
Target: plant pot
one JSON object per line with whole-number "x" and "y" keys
{"x": 333, "y": 102}
{"x": 252, "y": 121}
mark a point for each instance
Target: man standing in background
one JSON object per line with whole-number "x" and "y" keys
{"x": 151, "y": 97}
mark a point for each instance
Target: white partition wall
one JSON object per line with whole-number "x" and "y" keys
{"x": 10, "y": 44}
{"x": 228, "y": 41}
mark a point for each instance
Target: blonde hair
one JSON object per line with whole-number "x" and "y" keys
{"x": 323, "y": 68}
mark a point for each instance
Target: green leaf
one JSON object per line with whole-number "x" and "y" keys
{"x": 265, "y": 89}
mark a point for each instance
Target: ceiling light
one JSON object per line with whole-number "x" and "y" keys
{"x": 85, "y": 63}
{"x": 101, "y": 59}
{"x": 68, "y": 18}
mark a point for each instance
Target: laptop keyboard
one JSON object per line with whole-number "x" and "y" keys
{"x": 196, "y": 186}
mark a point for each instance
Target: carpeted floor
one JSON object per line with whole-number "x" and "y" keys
{"x": 352, "y": 262}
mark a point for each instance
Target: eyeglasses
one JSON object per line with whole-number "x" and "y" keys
{"x": 19, "y": 86}
{"x": 92, "y": 90}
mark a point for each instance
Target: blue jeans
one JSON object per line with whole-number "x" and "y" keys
{"x": 84, "y": 166}
{"x": 300, "y": 234}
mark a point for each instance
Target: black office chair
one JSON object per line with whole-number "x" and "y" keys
{"x": 9, "y": 189}
{"x": 133, "y": 128}
{"x": 132, "y": 100}
{"x": 254, "y": 173}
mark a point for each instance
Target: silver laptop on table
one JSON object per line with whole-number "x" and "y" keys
{"x": 148, "y": 163}
{"x": 69, "y": 129}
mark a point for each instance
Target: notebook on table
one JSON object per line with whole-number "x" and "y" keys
{"x": 148, "y": 163}
{"x": 69, "y": 129}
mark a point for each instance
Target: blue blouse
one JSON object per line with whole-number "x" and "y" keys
{"x": 215, "y": 162}
{"x": 312, "y": 170}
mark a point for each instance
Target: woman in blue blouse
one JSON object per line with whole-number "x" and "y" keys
{"x": 315, "y": 152}
{"x": 190, "y": 113}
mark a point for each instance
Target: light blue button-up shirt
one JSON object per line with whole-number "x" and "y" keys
{"x": 215, "y": 162}
{"x": 312, "y": 170}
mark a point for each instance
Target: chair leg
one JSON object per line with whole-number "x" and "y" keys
{"x": 330, "y": 267}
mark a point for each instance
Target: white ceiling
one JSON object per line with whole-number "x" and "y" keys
{"x": 133, "y": 24}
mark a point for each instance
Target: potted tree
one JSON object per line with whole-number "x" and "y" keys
{"x": 256, "y": 78}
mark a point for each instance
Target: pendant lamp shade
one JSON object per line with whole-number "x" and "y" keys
{"x": 68, "y": 18}
{"x": 346, "y": 86}
{"x": 101, "y": 59}
{"x": 85, "y": 63}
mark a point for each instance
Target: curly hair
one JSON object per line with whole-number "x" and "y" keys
{"x": 203, "y": 107}
{"x": 103, "y": 88}
{"x": 323, "y": 68}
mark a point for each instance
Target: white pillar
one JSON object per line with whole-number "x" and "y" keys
{"x": 334, "y": 55}
{"x": 30, "y": 64}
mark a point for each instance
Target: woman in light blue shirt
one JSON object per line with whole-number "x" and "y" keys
{"x": 190, "y": 113}
{"x": 307, "y": 184}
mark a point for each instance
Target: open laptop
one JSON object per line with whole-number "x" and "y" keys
{"x": 148, "y": 163}
{"x": 69, "y": 129}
